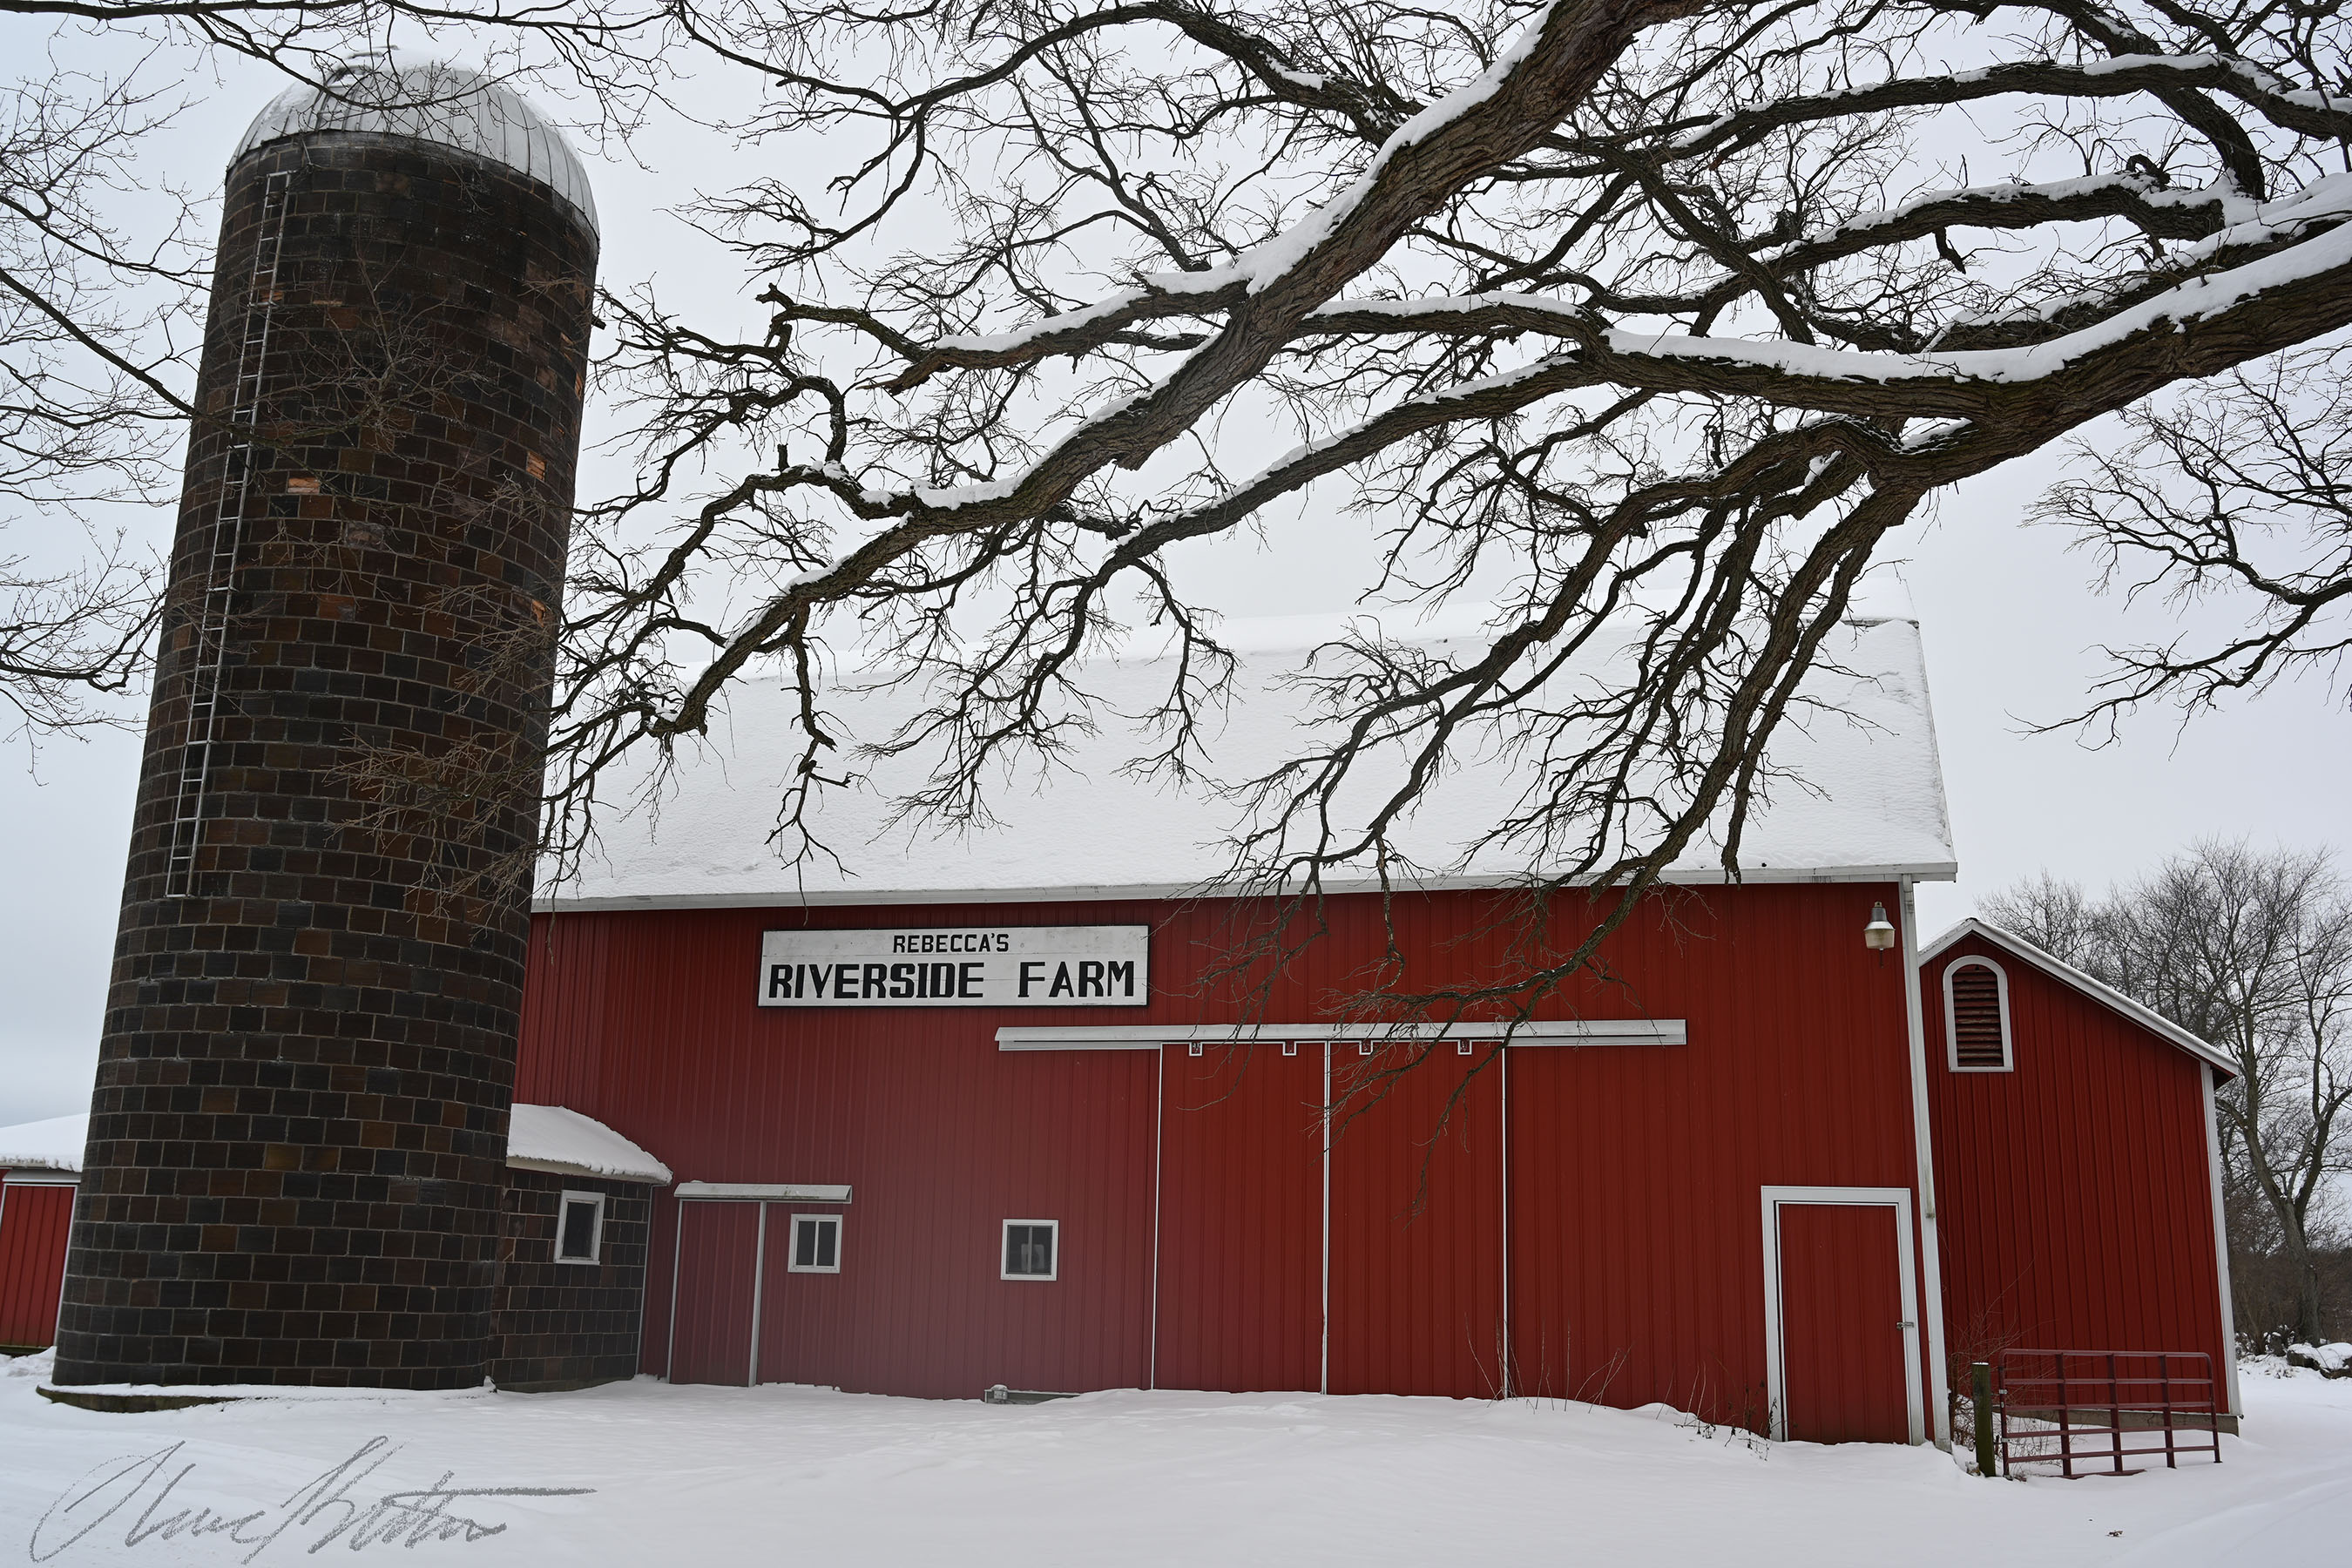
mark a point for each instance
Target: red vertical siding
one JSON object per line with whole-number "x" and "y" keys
{"x": 1241, "y": 1220}
{"x": 1843, "y": 1344}
{"x": 2076, "y": 1189}
{"x": 1416, "y": 1301}
{"x": 1637, "y": 1266}
{"x": 34, "y": 1220}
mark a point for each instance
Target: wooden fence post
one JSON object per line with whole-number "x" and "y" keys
{"x": 1980, "y": 1420}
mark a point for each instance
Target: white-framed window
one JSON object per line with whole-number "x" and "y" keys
{"x": 1290, "y": 1048}
{"x": 816, "y": 1244}
{"x": 1033, "y": 1249}
{"x": 1975, "y": 1016}
{"x": 580, "y": 1228}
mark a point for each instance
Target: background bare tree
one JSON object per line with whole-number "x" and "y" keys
{"x": 2253, "y": 952}
{"x": 2239, "y": 492}
{"x": 1644, "y": 322}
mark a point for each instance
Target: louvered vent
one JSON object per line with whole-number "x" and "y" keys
{"x": 1976, "y": 1018}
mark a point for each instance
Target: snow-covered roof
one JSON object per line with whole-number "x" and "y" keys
{"x": 539, "y": 1138}
{"x": 52, "y": 1145}
{"x": 1866, "y": 801}
{"x": 2098, "y": 991}
{"x": 552, "y": 1138}
{"x": 430, "y": 100}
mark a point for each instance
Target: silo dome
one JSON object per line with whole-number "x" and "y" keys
{"x": 436, "y": 101}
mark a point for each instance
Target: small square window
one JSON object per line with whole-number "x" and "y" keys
{"x": 1364, "y": 1049}
{"x": 1290, "y": 1048}
{"x": 1031, "y": 1249}
{"x": 816, "y": 1244}
{"x": 1462, "y": 1048}
{"x": 1196, "y": 1047}
{"x": 580, "y": 1228}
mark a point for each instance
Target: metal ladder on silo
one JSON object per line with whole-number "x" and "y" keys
{"x": 228, "y": 532}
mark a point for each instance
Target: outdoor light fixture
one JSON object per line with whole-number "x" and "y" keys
{"x": 1879, "y": 934}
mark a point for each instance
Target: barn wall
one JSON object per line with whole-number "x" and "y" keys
{"x": 2076, "y": 1189}
{"x": 34, "y": 1220}
{"x": 1635, "y": 1260}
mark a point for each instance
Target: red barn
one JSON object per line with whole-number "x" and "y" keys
{"x": 40, "y": 1171}
{"x": 994, "y": 1111}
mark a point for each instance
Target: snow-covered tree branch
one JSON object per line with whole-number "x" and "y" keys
{"x": 1644, "y": 323}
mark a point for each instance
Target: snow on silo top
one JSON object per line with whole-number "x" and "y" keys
{"x": 430, "y": 100}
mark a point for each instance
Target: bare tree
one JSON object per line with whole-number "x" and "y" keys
{"x": 2251, "y": 951}
{"x": 1645, "y": 322}
{"x": 2239, "y": 492}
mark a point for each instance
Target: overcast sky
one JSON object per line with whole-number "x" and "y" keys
{"x": 2010, "y": 621}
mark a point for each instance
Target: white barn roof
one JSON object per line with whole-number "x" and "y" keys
{"x": 539, "y": 1138}
{"x": 1866, "y": 801}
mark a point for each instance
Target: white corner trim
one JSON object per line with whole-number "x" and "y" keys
{"x": 1776, "y": 1374}
{"x": 1152, "y": 1037}
{"x": 765, "y": 1192}
{"x": 1952, "y": 1015}
{"x": 2222, "y": 1245}
{"x": 1923, "y": 1135}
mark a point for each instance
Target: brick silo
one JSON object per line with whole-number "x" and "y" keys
{"x": 296, "y": 1135}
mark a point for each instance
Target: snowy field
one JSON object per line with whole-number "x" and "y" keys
{"x": 644, "y": 1473}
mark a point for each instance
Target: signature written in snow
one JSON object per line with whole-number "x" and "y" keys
{"x": 146, "y": 1499}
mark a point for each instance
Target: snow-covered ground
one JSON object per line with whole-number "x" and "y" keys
{"x": 708, "y": 1477}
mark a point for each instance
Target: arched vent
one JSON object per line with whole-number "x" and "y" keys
{"x": 1980, "y": 1039}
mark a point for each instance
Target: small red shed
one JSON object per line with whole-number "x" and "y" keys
{"x": 2077, "y": 1161}
{"x": 40, "y": 1172}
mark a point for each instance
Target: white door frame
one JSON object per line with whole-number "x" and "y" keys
{"x": 1776, "y": 1374}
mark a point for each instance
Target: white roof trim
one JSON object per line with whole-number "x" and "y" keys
{"x": 790, "y": 898}
{"x": 766, "y": 1192}
{"x": 1147, "y": 1036}
{"x": 2096, "y": 990}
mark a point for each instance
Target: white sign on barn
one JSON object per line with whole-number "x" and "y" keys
{"x": 957, "y": 966}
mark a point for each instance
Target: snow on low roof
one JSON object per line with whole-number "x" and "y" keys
{"x": 2098, "y": 991}
{"x": 552, "y": 1138}
{"x": 539, "y": 1138}
{"x": 52, "y": 1145}
{"x": 1869, "y": 805}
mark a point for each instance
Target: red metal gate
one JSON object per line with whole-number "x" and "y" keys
{"x": 1842, "y": 1343}
{"x": 718, "y": 1248}
{"x": 2095, "y": 1409}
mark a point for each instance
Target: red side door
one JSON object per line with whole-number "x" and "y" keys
{"x": 1844, "y": 1348}
{"x": 1240, "y": 1219}
{"x": 34, "y": 1222}
{"x": 804, "y": 1319}
{"x": 718, "y": 1248}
